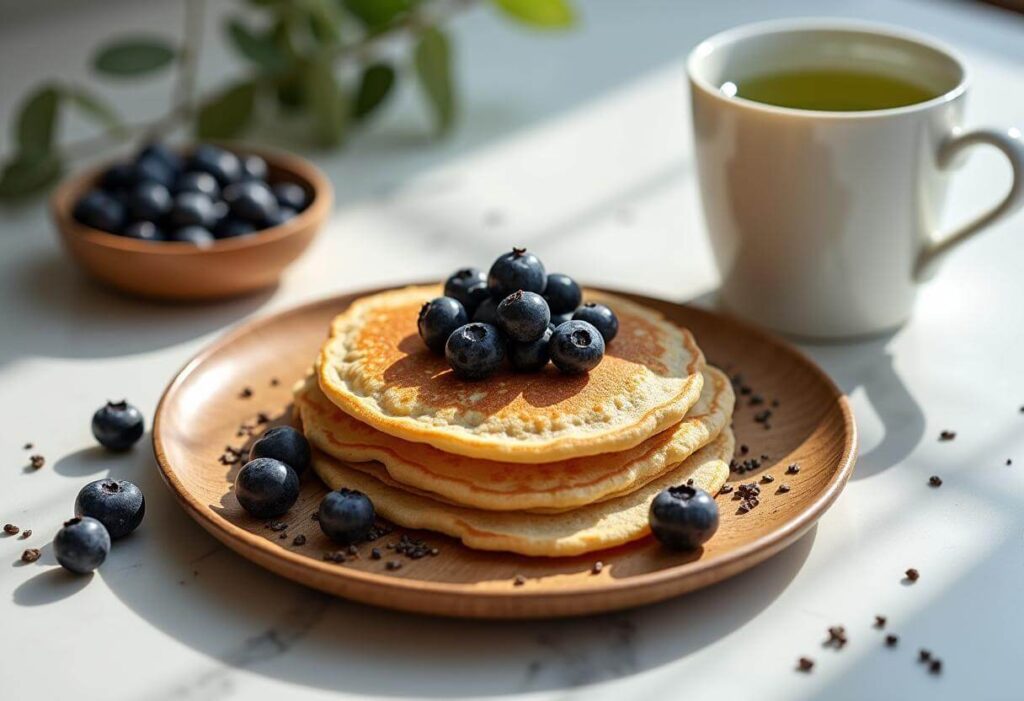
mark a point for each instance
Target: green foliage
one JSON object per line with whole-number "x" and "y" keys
{"x": 542, "y": 14}
{"x": 299, "y": 56}
{"x": 133, "y": 56}
{"x": 434, "y": 68}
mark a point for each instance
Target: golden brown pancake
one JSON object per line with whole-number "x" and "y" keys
{"x": 504, "y": 486}
{"x": 375, "y": 368}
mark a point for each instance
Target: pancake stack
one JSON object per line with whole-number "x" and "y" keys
{"x": 541, "y": 464}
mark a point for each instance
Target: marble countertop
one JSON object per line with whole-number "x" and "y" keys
{"x": 576, "y": 145}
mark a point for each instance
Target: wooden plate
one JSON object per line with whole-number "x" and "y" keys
{"x": 207, "y": 403}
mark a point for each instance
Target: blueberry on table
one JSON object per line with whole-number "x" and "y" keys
{"x": 438, "y": 319}
{"x": 149, "y": 168}
{"x": 81, "y": 545}
{"x": 576, "y": 347}
{"x": 196, "y": 181}
{"x": 196, "y": 235}
{"x": 99, "y": 210}
{"x": 162, "y": 152}
{"x": 118, "y": 425}
{"x": 290, "y": 195}
{"x": 518, "y": 270}
{"x": 283, "y": 443}
{"x": 523, "y": 316}
{"x": 603, "y": 319}
{"x": 266, "y": 487}
{"x": 118, "y": 504}
{"x": 559, "y": 319}
{"x": 254, "y": 168}
{"x": 192, "y": 209}
{"x": 252, "y": 201}
{"x": 469, "y": 286}
{"x": 223, "y": 165}
{"x": 562, "y": 294}
{"x": 280, "y": 216}
{"x": 475, "y": 351}
{"x": 143, "y": 231}
{"x": 230, "y": 227}
{"x": 148, "y": 201}
{"x": 530, "y": 356}
{"x": 683, "y": 518}
{"x": 346, "y": 516}
{"x": 118, "y": 177}
{"x": 487, "y": 312}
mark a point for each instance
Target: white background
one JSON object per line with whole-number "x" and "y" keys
{"x": 576, "y": 145}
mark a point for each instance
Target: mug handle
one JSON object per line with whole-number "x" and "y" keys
{"x": 1011, "y": 143}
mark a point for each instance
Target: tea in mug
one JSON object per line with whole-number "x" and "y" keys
{"x": 830, "y": 90}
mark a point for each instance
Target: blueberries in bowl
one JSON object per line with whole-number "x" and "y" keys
{"x": 576, "y": 347}
{"x": 683, "y": 518}
{"x": 160, "y": 195}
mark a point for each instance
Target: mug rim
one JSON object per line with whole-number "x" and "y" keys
{"x": 778, "y": 26}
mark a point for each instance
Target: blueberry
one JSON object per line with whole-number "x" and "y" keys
{"x": 254, "y": 168}
{"x": 195, "y": 181}
{"x": 530, "y": 356}
{"x": 231, "y": 227}
{"x": 683, "y": 517}
{"x": 283, "y": 443}
{"x": 475, "y": 351}
{"x": 469, "y": 286}
{"x": 487, "y": 312}
{"x": 152, "y": 169}
{"x": 81, "y": 545}
{"x": 514, "y": 271}
{"x": 219, "y": 163}
{"x": 192, "y": 209}
{"x": 100, "y": 211}
{"x": 143, "y": 231}
{"x": 562, "y": 293}
{"x": 195, "y": 235}
{"x": 266, "y": 487}
{"x": 252, "y": 201}
{"x": 148, "y": 201}
{"x": 523, "y": 316}
{"x": 117, "y": 504}
{"x": 120, "y": 176}
{"x": 161, "y": 152}
{"x": 346, "y": 516}
{"x": 576, "y": 347}
{"x": 603, "y": 319}
{"x": 280, "y": 216}
{"x": 118, "y": 425}
{"x": 290, "y": 195}
{"x": 559, "y": 319}
{"x": 437, "y": 319}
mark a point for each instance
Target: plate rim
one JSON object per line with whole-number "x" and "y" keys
{"x": 242, "y": 541}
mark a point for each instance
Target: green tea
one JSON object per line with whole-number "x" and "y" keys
{"x": 831, "y": 90}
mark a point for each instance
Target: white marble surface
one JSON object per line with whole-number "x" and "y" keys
{"x": 578, "y": 146}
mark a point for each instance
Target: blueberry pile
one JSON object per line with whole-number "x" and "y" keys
{"x": 516, "y": 312}
{"x": 211, "y": 194}
{"x": 268, "y": 486}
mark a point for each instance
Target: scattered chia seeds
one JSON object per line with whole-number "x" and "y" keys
{"x": 27, "y": 533}
{"x": 935, "y": 667}
{"x": 245, "y": 393}
{"x": 726, "y": 488}
{"x": 11, "y": 529}
{"x": 767, "y": 479}
{"x": 274, "y": 382}
{"x": 276, "y": 526}
{"x": 375, "y": 554}
{"x": 262, "y": 418}
{"x": 31, "y": 555}
{"x": 299, "y": 540}
{"x": 334, "y": 556}
{"x": 793, "y": 469}
{"x": 27, "y": 446}
{"x": 836, "y": 637}
{"x": 891, "y": 640}
{"x": 935, "y": 481}
{"x": 597, "y": 567}
{"x": 880, "y": 621}
{"x": 1009, "y": 461}
{"x": 783, "y": 488}
{"x": 924, "y": 655}
{"x": 393, "y": 565}
{"x": 947, "y": 436}
{"x": 519, "y": 581}
{"x": 230, "y": 456}
{"x": 913, "y": 575}
{"x": 805, "y": 664}
{"x": 36, "y": 461}
{"x": 744, "y": 449}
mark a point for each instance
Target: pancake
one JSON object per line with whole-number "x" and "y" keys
{"x": 503, "y": 486}
{"x": 594, "y": 527}
{"x": 375, "y": 368}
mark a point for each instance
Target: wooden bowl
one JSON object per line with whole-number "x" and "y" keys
{"x": 172, "y": 270}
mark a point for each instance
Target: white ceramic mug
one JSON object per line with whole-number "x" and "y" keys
{"x": 823, "y": 223}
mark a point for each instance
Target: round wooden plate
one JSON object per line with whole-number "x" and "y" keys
{"x": 227, "y": 392}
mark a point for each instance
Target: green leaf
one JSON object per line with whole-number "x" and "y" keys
{"x": 227, "y": 114}
{"x": 26, "y": 174}
{"x": 542, "y": 14}
{"x": 324, "y": 21}
{"x": 374, "y": 87}
{"x": 327, "y": 103}
{"x": 290, "y": 94}
{"x": 433, "y": 66}
{"x": 133, "y": 56}
{"x": 95, "y": 108}
{"x": 37, "y": 121}
{"x": 377, "y": 14}
{"x": 261, "y": 49}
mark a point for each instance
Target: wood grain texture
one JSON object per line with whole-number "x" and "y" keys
{"x": 182, "y": 271}
{"x": 203, "y": 407}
